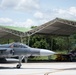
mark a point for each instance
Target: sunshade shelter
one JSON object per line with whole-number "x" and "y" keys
{"x": 58, "y": 26}
{"x": 9, "y": 32}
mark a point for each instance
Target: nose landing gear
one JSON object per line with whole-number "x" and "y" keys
{"x": 20, "y": 60}
{"x": 18, "y": 66}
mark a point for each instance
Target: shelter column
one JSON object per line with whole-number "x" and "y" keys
{"x": 68, "y": 41}
{"x": 28, "y": 40}
{"x": 51, "y": 42}
{"x": 21, "y": 39}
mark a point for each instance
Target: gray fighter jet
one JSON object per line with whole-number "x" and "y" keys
{"x": 21, "y": 50}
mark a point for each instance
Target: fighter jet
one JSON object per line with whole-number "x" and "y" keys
{"x": 21, "y": 50}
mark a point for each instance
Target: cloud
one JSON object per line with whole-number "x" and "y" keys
{"x": 69, "y": 13}
{"x": 27, "y": 5}
{"x": 10, "y": 22}
{"x": 20, "y": 4}
{"x": 72, "y": 11}
{"x": 5, "y": 21}
{"x": 39, "y": 15}
{"x": 9, "y": 4}
{"x": 47, "y": 15}
{"x": 61, "y": 11}
{"x": 27, "y": 23}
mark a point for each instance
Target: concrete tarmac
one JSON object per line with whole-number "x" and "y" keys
{"x": 52, "y": 68}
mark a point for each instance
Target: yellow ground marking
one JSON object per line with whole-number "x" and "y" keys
{"x": 54, "y": 71}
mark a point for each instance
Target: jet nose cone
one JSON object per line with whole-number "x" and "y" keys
{"x": 46, "y": 52}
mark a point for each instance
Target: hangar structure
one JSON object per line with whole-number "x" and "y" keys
{"x": 57, "y": 26}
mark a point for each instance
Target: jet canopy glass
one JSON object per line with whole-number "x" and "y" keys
{"x": 19, "y": 45}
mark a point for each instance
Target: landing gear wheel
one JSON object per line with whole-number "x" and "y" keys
{"x": 18, "y": 66}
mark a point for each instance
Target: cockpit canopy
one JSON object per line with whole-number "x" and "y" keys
{"x": 19, "y": 45}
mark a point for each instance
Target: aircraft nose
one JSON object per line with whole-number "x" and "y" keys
{"x": 46, "y": 52}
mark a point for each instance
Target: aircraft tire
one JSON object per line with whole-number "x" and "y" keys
{"x": 18, "y": 66}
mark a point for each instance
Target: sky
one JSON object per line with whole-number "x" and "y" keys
{"x": 27, "y": 13}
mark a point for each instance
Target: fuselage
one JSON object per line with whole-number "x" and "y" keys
{"x": 19, "y": 49}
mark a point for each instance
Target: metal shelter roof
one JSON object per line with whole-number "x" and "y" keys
{"x": 57, "y": 26}
{"x": 7, "y": 31}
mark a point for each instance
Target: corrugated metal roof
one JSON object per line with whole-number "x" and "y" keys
{"x": 57, "y": 26}
{"x": 21, "y": 29}
{"x": 18, "y": 31}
